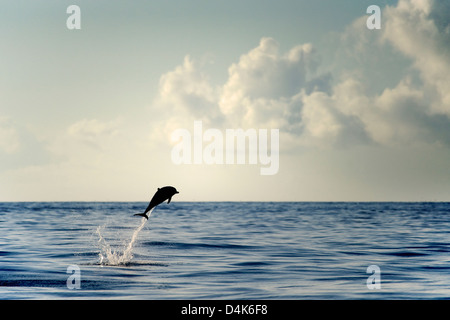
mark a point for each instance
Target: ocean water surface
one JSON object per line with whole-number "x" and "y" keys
{"x": 224, "y": 250}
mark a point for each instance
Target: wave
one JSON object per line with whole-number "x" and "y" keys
{"x": 186, "y": 245}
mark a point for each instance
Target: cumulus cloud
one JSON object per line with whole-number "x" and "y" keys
{"x": 416, "y": 108}
{"x": 270, "y": 89}
{"x": 263, "y": 87}
{"x": 413, "y": 110}
{"x": 91, "y": 158}
{"x": 420, "y": 29}
{"x": 92, "y": 144}
{"x": 264, "y": 73}
{"x": 187, "y": 92}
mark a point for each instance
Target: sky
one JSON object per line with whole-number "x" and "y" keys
{"x": 89, "y": 114}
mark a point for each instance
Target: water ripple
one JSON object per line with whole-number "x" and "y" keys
{"x": 231, "y": 250}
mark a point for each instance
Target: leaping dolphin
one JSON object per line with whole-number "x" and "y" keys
{"x": 160, "y": 196}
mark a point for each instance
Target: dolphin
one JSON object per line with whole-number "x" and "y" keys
{"x": 160, "y": 196}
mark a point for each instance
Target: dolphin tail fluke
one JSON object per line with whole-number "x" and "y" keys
{"x": 142, "y": 215}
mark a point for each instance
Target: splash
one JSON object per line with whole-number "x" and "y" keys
{"x": 108, "y": 256}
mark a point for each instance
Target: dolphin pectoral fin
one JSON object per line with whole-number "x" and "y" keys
{"x": 168, "y": 201}
{"x": 142, "y": 215}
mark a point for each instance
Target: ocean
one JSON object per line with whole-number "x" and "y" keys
{"x": 225, "y": 250}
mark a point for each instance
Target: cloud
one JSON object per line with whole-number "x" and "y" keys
{"x": 187, "y": 92}
{"x": 421, "y": 31}
{"x": 389, "y": 87}
{"x": 264, "y": 73}
{"x": 414, "y": 110}
{"x": 91, "y": 159}
{"x": 269, "y": 89}
{"x": 90, "y": 142}
{"x": 9, "y": 137}
{"x": 326, "y": 125}
{"x": 417, "y": 108}
{"x": 94, "y": 132}
{"x": 263, "y": 87}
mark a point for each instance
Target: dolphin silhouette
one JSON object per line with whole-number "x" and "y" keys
{"x": 160, "y": 196}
